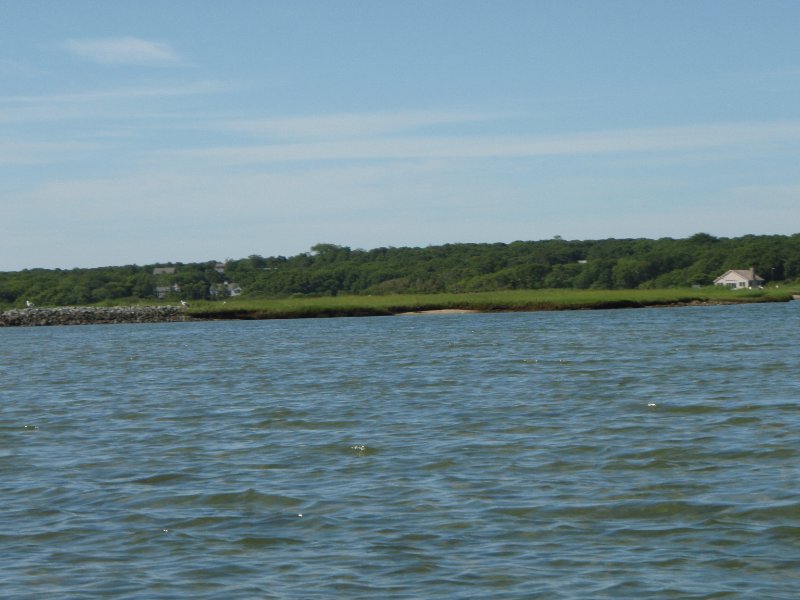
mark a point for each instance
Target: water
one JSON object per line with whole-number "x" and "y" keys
{"x": 646, "y": 453}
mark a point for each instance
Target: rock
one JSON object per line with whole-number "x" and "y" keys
{"x": 86, "y": 315}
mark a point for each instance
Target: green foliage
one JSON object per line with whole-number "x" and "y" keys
{"x": 332, "y": 270}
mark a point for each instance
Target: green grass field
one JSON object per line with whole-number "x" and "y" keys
{"x": 518, "y": 300}
{"x": 500, "y": 301}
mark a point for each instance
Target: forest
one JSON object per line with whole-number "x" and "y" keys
{"x": 330, "y": 270}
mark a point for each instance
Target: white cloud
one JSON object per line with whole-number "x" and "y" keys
{"x": 124, "y": 51}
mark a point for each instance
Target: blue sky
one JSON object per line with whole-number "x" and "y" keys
{"x": 150, "y": 131}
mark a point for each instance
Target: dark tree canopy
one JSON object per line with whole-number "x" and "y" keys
{"x": 330, "y": 269}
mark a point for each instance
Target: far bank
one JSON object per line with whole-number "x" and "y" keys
{"x": 401, "y": 304}
{"x": 483, "y": 302}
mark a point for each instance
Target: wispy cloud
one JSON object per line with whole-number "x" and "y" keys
{"x": 784, "y": 195}
{"x": 133, "y": 92}
{"x": 680, "y": 138}
{"x": 125, "y": 51}
{"x": 122, "y": 102}
{"x": 348, "y": 125}
{"x": 30, "y": 153}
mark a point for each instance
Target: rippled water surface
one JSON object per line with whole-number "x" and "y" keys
{"x": 649, "y": 453}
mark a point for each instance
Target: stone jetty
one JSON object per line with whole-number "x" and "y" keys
{"x": 88, "y": 315}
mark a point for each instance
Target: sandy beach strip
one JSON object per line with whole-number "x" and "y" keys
{"x": 440, "y": 311}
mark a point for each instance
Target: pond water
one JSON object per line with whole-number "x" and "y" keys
{"x": 650, "y": 453}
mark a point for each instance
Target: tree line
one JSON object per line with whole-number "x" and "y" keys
{"x": 330, "y": 269}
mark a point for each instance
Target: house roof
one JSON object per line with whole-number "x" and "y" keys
{"x": 743, "y": 274}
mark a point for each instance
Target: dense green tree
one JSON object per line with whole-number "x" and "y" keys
{"x": 630, "y": 272}
{"x": 330, "y": 269}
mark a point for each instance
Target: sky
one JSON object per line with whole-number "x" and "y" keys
{"x": 142, "y": 132}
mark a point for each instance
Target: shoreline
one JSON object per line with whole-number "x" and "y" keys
{"x": 75, "y": 315}
{"x": 438, "y": 311}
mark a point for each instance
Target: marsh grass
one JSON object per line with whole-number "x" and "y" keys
{"x": 516, "y": 300}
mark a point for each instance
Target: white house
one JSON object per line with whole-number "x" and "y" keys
{"x": 739, "y": 279}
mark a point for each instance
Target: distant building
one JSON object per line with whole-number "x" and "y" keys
{"x": 225, "y": 290}
{"x": 219, "y": 267}
{"x": 162, "y": 291}
{"x": 164, "y": 271}
{"x": 740, "y": 279}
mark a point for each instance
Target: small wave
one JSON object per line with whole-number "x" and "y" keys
{"x": 248, "y": 498}
{"x": 689, "y": 409}
{"x": 161, "y": 478}
{"x": 267, "y": 541}
{"x": 789, "y": 533}
{"x": 647, "y": 510}
{"x": 786, "y": 510}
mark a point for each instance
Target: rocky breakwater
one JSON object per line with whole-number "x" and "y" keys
{"x": 86, "y": 315}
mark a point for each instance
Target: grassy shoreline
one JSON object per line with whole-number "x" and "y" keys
{"x": 505, "y": 301}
